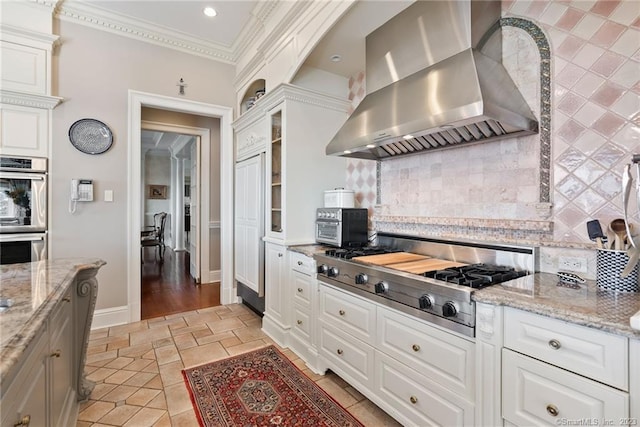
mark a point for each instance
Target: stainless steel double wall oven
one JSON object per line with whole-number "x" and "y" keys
{"x": 23, "y": 209}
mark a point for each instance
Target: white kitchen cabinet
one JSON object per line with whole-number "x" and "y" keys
{"x": 24, "y": 131}
{"x": 349, "y": 313}
{"x": 303, "y": 293}
{"x": 251, "y": 134}
{"x": 537, "y": 393}
{"x": 301, "y": 122}
{"x": 275, "y": 322}
{"x": 62, "y": 390}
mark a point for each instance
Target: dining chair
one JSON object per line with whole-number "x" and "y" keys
{"x": 153, "y": 236}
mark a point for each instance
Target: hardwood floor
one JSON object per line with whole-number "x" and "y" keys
{"x": 167, "y": 287}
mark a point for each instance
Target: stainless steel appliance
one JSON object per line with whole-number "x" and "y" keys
{"x": 23, "y": 194}
{"x": 435, "y": 79}
{"x": 428, "y": 278}
{"x": 22, "y": 247}
{"x": 342, "y": 227}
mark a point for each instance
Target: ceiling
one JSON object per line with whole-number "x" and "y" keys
{"x": 157, "y": 141}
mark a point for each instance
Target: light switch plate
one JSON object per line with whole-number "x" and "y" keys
{"x": 108, "y": 195}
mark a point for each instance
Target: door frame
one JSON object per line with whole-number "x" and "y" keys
{"x": 137, "y": 100}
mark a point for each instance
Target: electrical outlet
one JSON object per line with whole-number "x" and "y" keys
{"x": 572, "y": 263}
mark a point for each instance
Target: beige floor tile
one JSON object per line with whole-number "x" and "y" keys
{"x": 119, "y": 377}
{"x": 119, "y": 394}
{"x": 151, "y": 355}
{"x": 89, "y": 369}
{"x": 128, "y": 328}
{"x": 253, "y": 322}
{"x": 190, "y": 329}
{"x": 155, "y": 382}
{"x": 152, "y": 367}
{"x": 101, "y": 374}
{"x": 177, "y": 399}
{"x": 147, "y": 417}
{"x": 96, "y": 411}
{"x": 158, "y": 402}
{"x": 225, "y": 325}
{"x": 201, "y": 319}
{"x": 164, "y": 421}
{"x": 100, "y": 348}
{"x": 140, "y": 379}
{"x": 101, "y": 389}
{"x": 300, "y": 364}
{"x": 243, "y": 348}
{"x": 137, "y": 350}
{"x": 338, "y": 393}
{"x": 216, "y": 309}
{"x": 121, "y": 343}
{"x": 185, "y": 419}
{"x": 163, "y": 342}
{"x": 171, "y": 373}
{"x": 142, "y": 396}
{"x": 149, "y": 335}
{"x": 249, "y": 316}
{"x": 183, "y": 314}
{"x": 202, "y": 333}
{"x": 239, "y": 308}
{"x": 101, "y": 359}
{"x": 119, "y": 363}
{"x": 183, "y": 341}
{"x": 120, "y": 415}
{"x": 110, "y": 339}
{"x": 84, "y": 424}
{"x": 137, "y": 364}
{"x": 167, "y": 354}
{"x": 230, "y": 342}
{"x": 172, "y": 323}
{"x": 337, "y": 380}
{"x": 312, "y": 375}
{"x": 207, "y": 339}
{"x": 355, "y": 393}
{"x": 370, "y": 415}
{"x": 98, "y": 333}
{"x": 250, "y": 333}
{"x": 198, "y": 355}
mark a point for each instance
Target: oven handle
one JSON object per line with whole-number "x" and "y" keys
{"x": 19, "y": 175}
{"x": 21, "y": 237}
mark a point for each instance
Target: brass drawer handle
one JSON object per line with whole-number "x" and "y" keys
{"x": 339, "y": 351}
{"x": 299, "y": 262}
{"x": 66, "y": 299}
{"x": 25, "y": 421}
{"x": 413, "y": 400}
{"x": 279, "y": 255}
{"x": 341, "y": 312}
{"x": 299, "y": 322}
{"x": 56, "y": 353}
{"x": 415, "y": 347}
{"x": 554, "y": 344}
{"x": 552, "y": 410}
{"x": 299, "y": 289}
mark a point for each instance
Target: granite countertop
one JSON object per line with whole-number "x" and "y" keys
{"x": 309, "y": 250}
{"x": 35, "y": 288}
{"x": 584, "y": 305}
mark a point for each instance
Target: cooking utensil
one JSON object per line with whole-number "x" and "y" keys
{"x": 633, "y": 252}
{"x": 618, "y": 226}
{"x": 595, "y": 233}
{"x": 627, "y": 180}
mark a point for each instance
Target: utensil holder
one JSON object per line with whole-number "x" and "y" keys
{"x": 609, "y": 266}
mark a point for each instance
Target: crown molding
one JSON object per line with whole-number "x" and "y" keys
{"x": 18, "y": 34}
{"x": 29, "y": 100}
{"x": 92, "y": 16}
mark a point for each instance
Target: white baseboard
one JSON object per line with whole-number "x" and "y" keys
{"x": 107, "y": 317}
{"x": 215, "y": 275}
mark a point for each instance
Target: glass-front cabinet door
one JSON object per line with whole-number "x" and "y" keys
{"x": 275, "y": 175}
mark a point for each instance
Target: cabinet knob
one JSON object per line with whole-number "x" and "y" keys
{"x": 415, "y": 347}
{"x": 554, "y": 344}
{"x": 299, "y": 289}
{"x": 24, "y": 421}
{"x": 413, "y": 400}
{"x": 279, "y": 255}
{"x": 552, "y": 410}
{"x": 66, "y": 299}
{"x": 299, "y": 262}
{"x": 339, "y": 351}
{"x": 341, "y": 312}
{"x": 55, "y": 353}
{"x": 299, "y": 322}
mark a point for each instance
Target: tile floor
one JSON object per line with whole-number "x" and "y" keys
{"x": 137, "y": 368}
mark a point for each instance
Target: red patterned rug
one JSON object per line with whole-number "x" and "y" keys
{"x": 261, "y": 388}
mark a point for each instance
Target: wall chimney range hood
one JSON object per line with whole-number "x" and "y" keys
{"x": 435, "y": 80}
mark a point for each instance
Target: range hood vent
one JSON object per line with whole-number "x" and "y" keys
{"x": 432, "y": 87}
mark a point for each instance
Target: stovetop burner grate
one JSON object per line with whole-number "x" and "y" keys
{"x": 476, "y": 275}
{"x": 356, "y": 252}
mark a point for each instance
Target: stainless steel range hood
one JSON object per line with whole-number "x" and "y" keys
{"x": 435, "y": 80}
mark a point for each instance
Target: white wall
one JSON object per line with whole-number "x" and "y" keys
{"x": 94, "y": 70}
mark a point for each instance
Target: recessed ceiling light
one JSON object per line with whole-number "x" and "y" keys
{"x": 336, "y": 58}
{"x": 209, "y": 11}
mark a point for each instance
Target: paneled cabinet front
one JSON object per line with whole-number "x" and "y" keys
{"x": 278, "y": 305}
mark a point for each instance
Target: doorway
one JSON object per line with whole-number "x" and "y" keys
{"x": 138, "y": 100}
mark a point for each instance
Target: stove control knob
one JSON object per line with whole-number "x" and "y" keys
{"x": 323, "y": 269}
{"x": 361, "y": 279}
{"x": 449, "y": 309}
{"x": 381, "y": 287}
{"x": 333, "y": 272}
{"x": 426, "y": 301}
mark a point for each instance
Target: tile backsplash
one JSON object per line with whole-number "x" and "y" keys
{"x": 595, "y": 130}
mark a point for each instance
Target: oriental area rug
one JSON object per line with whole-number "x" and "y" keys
{"x": 261, "y": 388}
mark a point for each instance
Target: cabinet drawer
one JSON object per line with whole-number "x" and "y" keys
{"x": 301, "y": 323}
{"x": 417, "y": 398}
{"x": 536, "y": 393}
{"x": 589, "y": 352}
{"x": 346, "y": 355}
{"x": 302, "y": 263}
{"x": 302, "y": 287}
{"x": 348, "y": 313}
{"x": 441, "y": 356}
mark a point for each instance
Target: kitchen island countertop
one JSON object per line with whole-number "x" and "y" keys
{"x": 34, "y": 288}
{"x": 310, "y": 249}
{"x": 585, "y": 304}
